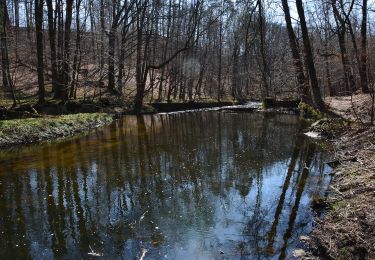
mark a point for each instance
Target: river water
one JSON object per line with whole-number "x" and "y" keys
{"x": 202, "y": 185}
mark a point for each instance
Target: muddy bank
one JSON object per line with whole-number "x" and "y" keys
{"x": 347, "y": 229}
{"x": 274, "y": 103}
{"x": 56, "y": 109}
{"x": 119, "y": 107}
{"x": 110, "y": 106}
{"x": 31, "y": 130}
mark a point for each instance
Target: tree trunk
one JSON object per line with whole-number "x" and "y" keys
{"x": 314, "y": 85}
{"x": 363, "y": 69}
{"x": 297, "y": 61}
{"x": 138, "y": 102}
{"x": 219, "y": 77}
{"x": 7, "y": 79}
{"x": 66, "y": 62}
{"x": 341, "y": 24}
{"x": 59, "y": 28}
{"x": 111, "y": 59}
{"x": 235, "y": 68}
{"x": 331, "y": 90}
{"x": 121, "y": 66}
{"x": 348, "y": 76}
{"x": 39, "y": 48}
{"x": 52, "y": 42}
{"x": 102, "y": 28}
{"x": 77, "y": 53}
{"x": 17, "y": 25}
{"x": 265, "y": 89}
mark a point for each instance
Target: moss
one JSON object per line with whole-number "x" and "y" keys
{"x": 324, "y": 145}
{"x": 21, "y": 131}
{"x": 309, "y": 112}
{"x": 341, "y": 210}
{"x": 354, "y": 171}
{"x": 148, "y": 109}
{"x": 318, "y": 202}
{"x": 344, "y": 252}
{"x": 338, "y": 205}
{"x": 268, "y": 102}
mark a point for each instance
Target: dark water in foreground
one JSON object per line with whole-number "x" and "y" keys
{"x": 205, "y": 185}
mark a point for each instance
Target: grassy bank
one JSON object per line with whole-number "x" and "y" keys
{"x": 31, "y": 130}
{"x": 347, "y": 229}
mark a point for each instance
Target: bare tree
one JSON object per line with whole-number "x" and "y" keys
{"x": 341, "y": 34}
{"x": 39, "y": 48}
{"x": 297, "y": 61}
{"x": 137, "y": 51}
{"x": 264, "y": 69}
{"x": 363, "y": 63}
{"x": 314, "y": 85}
{"x": 4, "y": 23}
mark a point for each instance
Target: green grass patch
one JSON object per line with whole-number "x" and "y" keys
{"x": 309, "y": 112}
{"x": 23, "y": 131}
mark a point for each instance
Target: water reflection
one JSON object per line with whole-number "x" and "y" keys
{"x": 182, "y": 186}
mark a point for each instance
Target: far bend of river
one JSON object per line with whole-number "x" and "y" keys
{"x": 202, "y": 185}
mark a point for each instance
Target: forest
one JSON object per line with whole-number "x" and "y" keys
{"x": 180, "y": 51}
{"x": 150, "y": 129}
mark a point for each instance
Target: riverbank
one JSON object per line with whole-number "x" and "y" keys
{"x": 34, "y": 123}
{"x": 31, "y": 130}
{"x": 346, "y": 230}
{"x": 113, "y": 106}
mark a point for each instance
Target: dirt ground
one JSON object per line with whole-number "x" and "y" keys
{"x": 356, "y": 108}
{"x": 347, "y": 229}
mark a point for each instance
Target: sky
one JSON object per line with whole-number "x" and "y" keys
{"x": 273, "y": 9}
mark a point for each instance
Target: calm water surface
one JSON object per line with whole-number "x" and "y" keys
{"x": 204, "y": 185}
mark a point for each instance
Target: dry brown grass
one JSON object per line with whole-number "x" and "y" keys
{"x": 347, "y": 231}
{"x": 352, "y": 108}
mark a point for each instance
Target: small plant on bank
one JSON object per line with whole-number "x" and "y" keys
{"x": 309, "y": 112}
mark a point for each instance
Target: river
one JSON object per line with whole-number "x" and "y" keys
{"x": 201, "y": 185}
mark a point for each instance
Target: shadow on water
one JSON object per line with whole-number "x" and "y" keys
{"x": 185, "y": 186}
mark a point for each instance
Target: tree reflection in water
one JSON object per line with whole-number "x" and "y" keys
{"x": 183, "y": 186}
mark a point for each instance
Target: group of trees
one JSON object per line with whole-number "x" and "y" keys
{"x": 187, "y": 50}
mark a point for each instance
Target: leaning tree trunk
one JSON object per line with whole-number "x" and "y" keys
{"x": 297, "y": 61}
{"x": 314, "y": 85}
